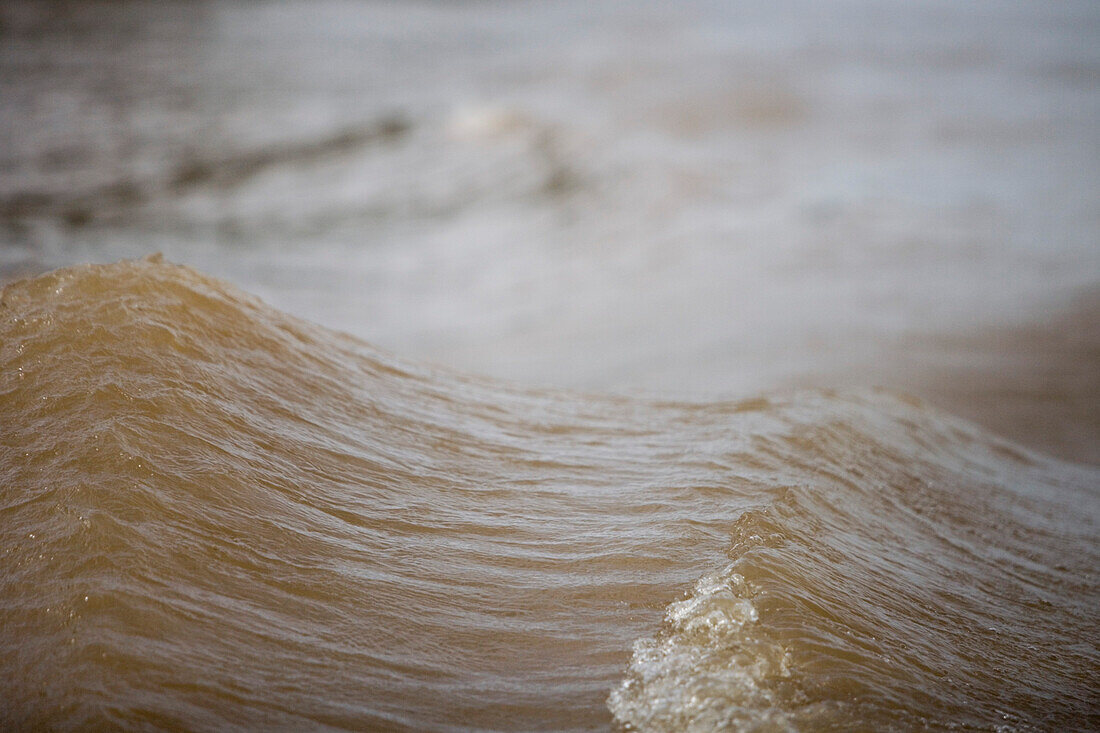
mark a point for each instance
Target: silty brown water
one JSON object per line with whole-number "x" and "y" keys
{"x": 216, "y": 515}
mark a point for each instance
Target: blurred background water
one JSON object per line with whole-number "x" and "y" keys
{"x": 692, "y": 198}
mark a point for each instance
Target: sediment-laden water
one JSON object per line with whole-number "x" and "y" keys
{"x": 214, "y": 515}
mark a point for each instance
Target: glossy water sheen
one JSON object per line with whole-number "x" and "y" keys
{"x": 215, "y": 515}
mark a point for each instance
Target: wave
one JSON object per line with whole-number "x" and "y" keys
{"x": 79, "y": 207}
{"x": 215, "y": 515}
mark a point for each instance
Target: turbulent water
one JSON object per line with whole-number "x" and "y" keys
{"x": 215, "y": 515}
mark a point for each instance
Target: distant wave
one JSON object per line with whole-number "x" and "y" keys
{"x": 215, "y": 515}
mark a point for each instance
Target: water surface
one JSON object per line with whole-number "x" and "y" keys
{"x": 217, "y": 515}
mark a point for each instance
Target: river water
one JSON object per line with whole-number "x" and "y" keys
{"x": 832, "y": 267}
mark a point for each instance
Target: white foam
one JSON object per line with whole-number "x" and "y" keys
{"x": 703, "y": 671}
